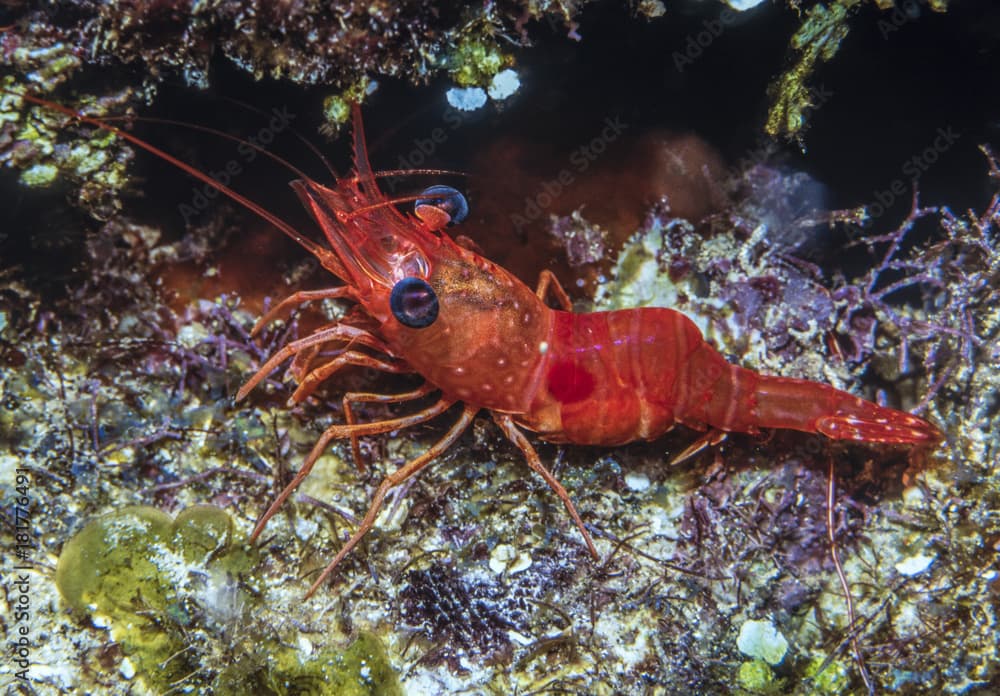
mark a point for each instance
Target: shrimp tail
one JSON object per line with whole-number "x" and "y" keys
{"x": 734, "y": 399}
{"x": 804, "y": 405}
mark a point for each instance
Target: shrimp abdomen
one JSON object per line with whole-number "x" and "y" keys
{"x": 612, "y": 377}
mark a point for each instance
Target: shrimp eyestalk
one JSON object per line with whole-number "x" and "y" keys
{"x": 482, "y": 339}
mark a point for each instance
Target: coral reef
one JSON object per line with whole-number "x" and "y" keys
{"x": 129, "y": 479}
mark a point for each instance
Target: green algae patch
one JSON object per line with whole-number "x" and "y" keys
{"x": 201, "y": 531}
{"x": 816, "y": 42}
{"x": 756, "y": 675}
{"x": 135, "y": 557}
{"x": 337, "y": 107}
{"x": 476, "y": 61}
{"x": 171, "y": 592}
{"x": 828, "y": 678}
{"x": 151, "y": 578}
{"x": 362, "y": 669}
{"x": 39, "y": 175}
{"x": 99, "y": 568}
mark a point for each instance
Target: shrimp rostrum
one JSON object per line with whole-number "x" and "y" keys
{"x": 480, "y": 338}
{"x": 483, "y": 339}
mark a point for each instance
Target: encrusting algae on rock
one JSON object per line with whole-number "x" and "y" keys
{"x": 114, "y": 394}
{"x": 180, "y": 596}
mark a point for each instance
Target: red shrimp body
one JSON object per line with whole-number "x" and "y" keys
{"x": 601, "y": 378}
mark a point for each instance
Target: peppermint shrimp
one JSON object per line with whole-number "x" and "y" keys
{"x": 428, "y": 304}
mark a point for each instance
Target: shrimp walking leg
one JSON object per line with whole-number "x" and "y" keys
{"x": 710, "y": 439}
{"x": 392, "y": 480}
{"x": 547, "y": 281}
{"x": 351, "y": 398}
{"x": 514, "y": 434}
{"x": 300, "y": 298}
{"x": 335, "y": 332}
{"x": 337, "y": 432}
{"x": 314, "y": 378}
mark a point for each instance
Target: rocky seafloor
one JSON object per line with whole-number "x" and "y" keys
{"x": 811, "y": 183}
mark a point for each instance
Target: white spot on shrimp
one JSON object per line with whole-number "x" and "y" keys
{"x": 543, "y": 347}
{"x": 459, "y": 371}
{"x": 501, "y": 362}
{"x": 486, "y": 387}
{"x": 527, "y": 318}
{"x": 508, "y": 380}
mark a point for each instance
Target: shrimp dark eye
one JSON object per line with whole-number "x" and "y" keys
{"x": 444, "y": 200}
{"x": 414, "y": 303}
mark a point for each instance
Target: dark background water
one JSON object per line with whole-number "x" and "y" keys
{"x": 896, "y": 81}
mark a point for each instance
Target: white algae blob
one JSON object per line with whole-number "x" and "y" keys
{"x": 762, "y": 640}
{"x": 504, "y": 84}
{"x": 914, "y": 565}
{"x": 466, "y": 98}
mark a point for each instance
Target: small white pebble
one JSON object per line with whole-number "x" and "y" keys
{"x": 305, "y": 529}
{"x": 127, "y": 669}
{"x": 506, "y": 559}
{"x": 743, "y": 5}
{"x": 637, "y": 482}
{"x": 501, "y": 556}
{"x": 914, "y": 565}
{"x": 913, "y": 496}
{"x": 762, "y": 640}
